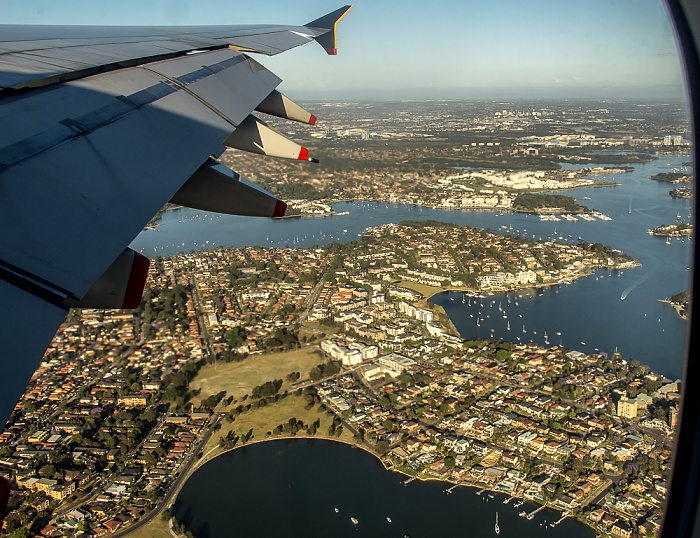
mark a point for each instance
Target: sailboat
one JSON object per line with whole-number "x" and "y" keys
{"x": 508, "y": 326}
{"x": 496, "y": 527}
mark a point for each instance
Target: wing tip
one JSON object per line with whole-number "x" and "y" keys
{"x": 329, "y": 22}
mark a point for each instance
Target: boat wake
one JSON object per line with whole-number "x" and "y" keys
{"x": 627, "y": 290}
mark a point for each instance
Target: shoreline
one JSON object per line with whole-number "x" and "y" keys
{"x": 678, "y": 308}
{"x": 493, "y": 291}
{"x": 480, "y": 487}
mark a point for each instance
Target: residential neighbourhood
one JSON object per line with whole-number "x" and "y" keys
{"x": 109, "y": 422}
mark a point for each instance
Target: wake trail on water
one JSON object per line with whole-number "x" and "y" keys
{"x": 628, "y": 289}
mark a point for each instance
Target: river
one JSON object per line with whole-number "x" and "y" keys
{"x": 607, "y": 310}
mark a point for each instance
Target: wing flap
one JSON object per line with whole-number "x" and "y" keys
{"x": 213, "y": 187}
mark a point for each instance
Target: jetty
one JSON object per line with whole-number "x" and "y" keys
{"x": 451, "y": 488}
{"x": 562, "y": 518}
{"x": 410, "y": 480}
{"x": 536, "y": 511}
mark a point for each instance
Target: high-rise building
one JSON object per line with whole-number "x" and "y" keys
{"x": 673, "y": 417}
{"x": 627, "y": 408}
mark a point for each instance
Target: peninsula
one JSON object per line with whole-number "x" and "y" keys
{"x": 238, "y": 345}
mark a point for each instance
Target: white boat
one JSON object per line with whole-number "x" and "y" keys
{"x": 388, "y": 519}
{"x": 354, "y": 521}
{"x": 336, "y": 510}
{"x": 496, "y": 527}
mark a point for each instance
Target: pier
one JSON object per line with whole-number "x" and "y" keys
{"x": 532, "y": 514}
{"x": 451, "y": 488}
{"x": 562, "y": 518}
{"x": 410, "y": 480}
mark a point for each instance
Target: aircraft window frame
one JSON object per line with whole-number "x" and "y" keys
{"x": 680, "y": 512}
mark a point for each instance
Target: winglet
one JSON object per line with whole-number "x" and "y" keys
{"x": 329, "y": 22}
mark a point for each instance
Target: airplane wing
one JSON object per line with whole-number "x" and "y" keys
{"x": 101, "y": 127}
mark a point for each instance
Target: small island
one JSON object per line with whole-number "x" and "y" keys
{"x": 547, "y": 203}
{"x": 672, "y": 177}
{"x": 682, "y": 192}
{"x": 672, "y": 230}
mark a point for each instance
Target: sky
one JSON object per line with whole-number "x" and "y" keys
{"x": 432, "y": 49}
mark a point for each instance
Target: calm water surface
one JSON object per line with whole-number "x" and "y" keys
{"x": 292, "y": 487}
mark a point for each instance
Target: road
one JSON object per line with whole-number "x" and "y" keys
{"x": 204, "y": 332}
{"x": 182, "y": 474}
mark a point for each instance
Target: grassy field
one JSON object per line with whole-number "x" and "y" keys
{"x": 429, "y": 291}
{"x": 239, "y": 378}
{"x": 260, "y": 420}
{"x": 266, "y": 418}
{"x": 158, "y": 528}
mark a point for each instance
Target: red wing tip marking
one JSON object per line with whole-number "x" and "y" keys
{"x": 137, "y": 281}
{"x": 280, "y": 209}
{"x": 332, "y": 51}
{"x": 312, "y": 120}
{"x": 304, "y": 156}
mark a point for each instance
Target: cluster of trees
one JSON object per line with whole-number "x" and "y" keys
{"x": 229, "y": 441}
{"x": 293, "y": 425}
{"x": 166, "y": 306}
{"x": 227, "y": 356}
{"x": 269, "y": 388}
{"x": 294, "y": 190}
{"x": 282, "y": 339}
{"x": 335, "y": 428}
{"x": 670, "y": 177}
{"x": 293, "y": 376}
{"x": 682, "y": 298}
{"x": 177, "y": 384}
{"x": 212, "y": 401}
{"x": 311, "y": 398}
{"x": 528, "y": 201}
{"x": 324, "y": 370}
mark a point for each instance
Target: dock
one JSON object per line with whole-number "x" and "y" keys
{"x": 451, "y": 488}
{"x": 536, "y": 511}
{"x": 562, "y": 518}
{"x": 410, "y": 480}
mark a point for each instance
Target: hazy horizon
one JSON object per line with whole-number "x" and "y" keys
{"x": 441, "y": 50}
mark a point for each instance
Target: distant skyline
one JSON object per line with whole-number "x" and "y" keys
{"x": 434, "y": 50}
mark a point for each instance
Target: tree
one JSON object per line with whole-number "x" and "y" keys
{"x": 382, "y": 447}
{"x": 47, "y": 471}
